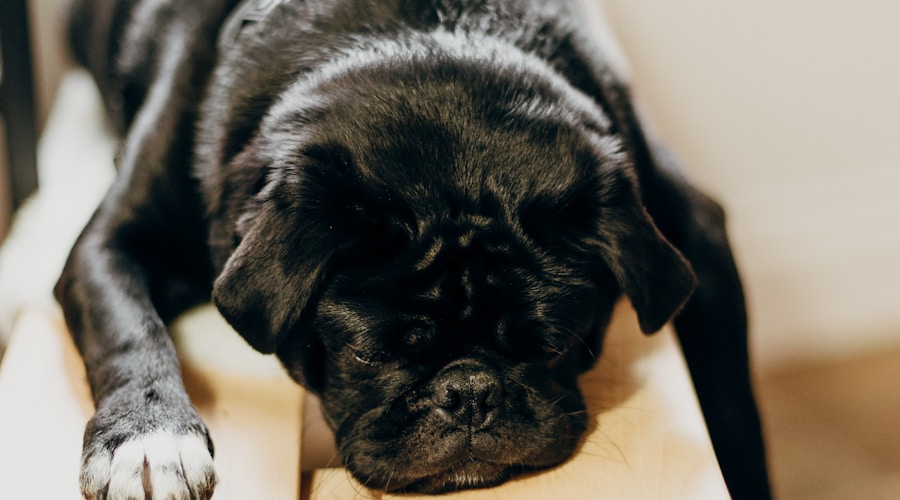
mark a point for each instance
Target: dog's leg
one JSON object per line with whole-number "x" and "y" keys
{"x": 142, "y": 251}
{"x": 712, "y": 327}
{"x": 145, "y": 435}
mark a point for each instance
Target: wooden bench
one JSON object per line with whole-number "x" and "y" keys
{"x": 647, "y": 441}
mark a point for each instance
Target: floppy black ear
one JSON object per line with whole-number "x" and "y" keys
{"x": 317, "y": 208}
{"x": 651, "y": 272}
{"x": 269, "y": 279}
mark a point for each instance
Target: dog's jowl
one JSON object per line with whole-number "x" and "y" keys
{"x": 426, "y": 209}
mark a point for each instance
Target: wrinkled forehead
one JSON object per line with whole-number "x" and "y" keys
{"x": 446, "y": 139}
{"x": 462, "y": 272}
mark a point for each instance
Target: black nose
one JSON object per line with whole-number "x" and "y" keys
{"x": 467, "y": 394}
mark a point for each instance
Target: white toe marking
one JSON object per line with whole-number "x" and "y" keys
{"x": 172, "y": 466}
{"x": 127, "y": 470}
{"x": 197, "y": 465}
{"x": 95, "y": 474}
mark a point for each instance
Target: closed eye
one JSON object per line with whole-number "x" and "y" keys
{"x": 365, "y": 361}
{"x": 361, "y": 357}
{"x": 554, "y": 356}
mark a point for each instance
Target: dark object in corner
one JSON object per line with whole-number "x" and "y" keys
{"x": 17, "y": 106}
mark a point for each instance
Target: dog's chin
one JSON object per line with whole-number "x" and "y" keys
{"x": 455, "y": 461}
{"x": 460, "y": 470}
{"x": 467, "y": 475}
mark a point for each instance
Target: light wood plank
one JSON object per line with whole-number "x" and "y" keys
{"x": 648, "y": 439}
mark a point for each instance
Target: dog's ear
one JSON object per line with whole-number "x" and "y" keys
{"x": 269, "y": 278}
{"x": 308, "y": 212}
{"x": 651, "y": 272}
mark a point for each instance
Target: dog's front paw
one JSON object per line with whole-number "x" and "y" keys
{"x": 161, "y": 465}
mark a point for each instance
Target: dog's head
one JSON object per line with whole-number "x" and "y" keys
{"x": 434, "y": 247}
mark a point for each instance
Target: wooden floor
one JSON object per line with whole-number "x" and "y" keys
{"x": 834, "y": 429}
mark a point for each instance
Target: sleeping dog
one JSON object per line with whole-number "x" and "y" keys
{"x": 425, "y": 208}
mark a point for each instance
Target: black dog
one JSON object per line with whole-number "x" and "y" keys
{"x": 427, "y": 209}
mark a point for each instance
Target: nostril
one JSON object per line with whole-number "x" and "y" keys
{"x": 483, "y": 390}
{"x": 446, "y": 397}
{"x": 492, "y": 394}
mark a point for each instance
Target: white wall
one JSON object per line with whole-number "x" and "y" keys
{"x": 788, "y": 111}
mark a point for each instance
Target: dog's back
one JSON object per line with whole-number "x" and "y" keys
{"x": 120, "y": 43}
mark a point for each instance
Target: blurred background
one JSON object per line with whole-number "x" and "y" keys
{"x": 789, "y": 114}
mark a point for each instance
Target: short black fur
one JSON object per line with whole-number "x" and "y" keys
{"x": 426, "y": 209}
